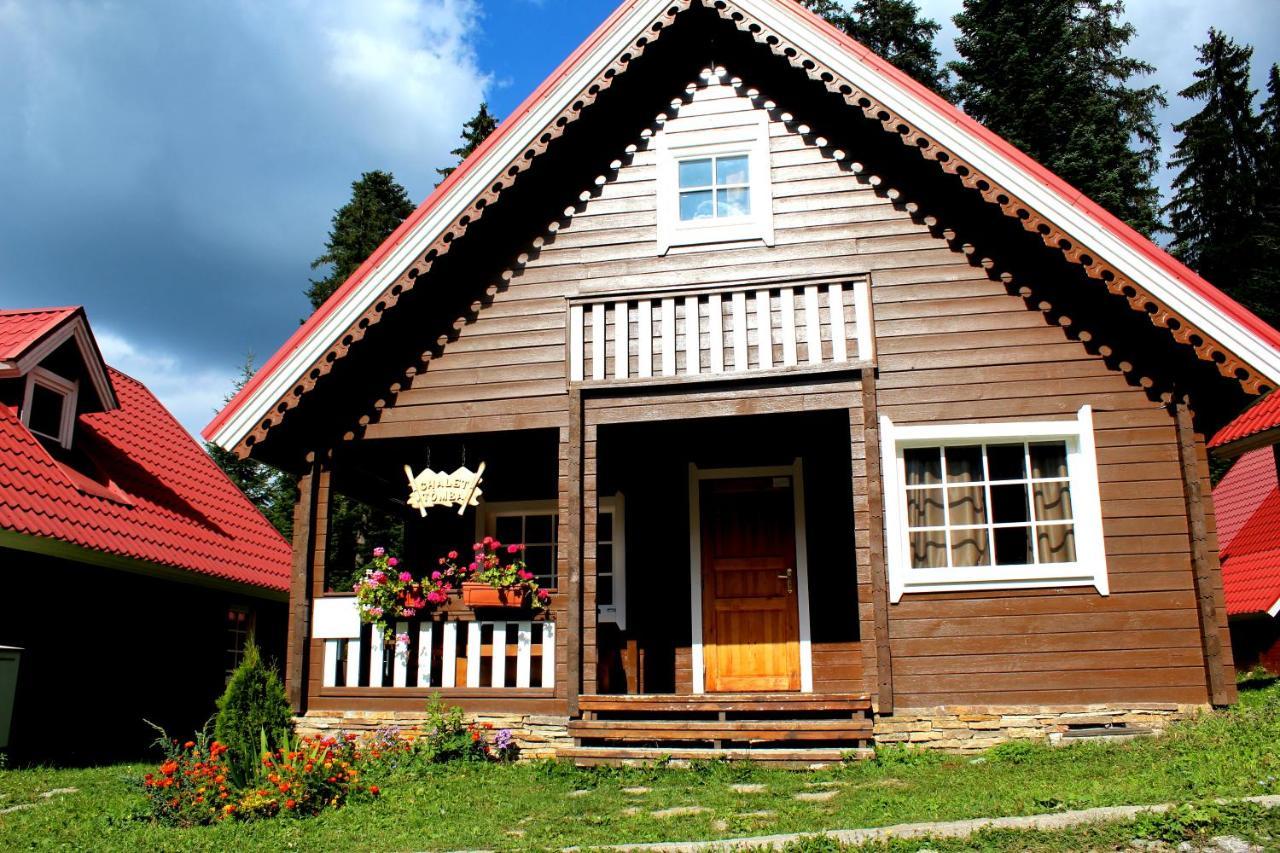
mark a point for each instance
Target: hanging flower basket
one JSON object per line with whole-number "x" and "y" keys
{"x": 484, "y": 595}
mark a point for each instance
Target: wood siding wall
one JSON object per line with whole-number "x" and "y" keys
{"x": 953, "y": 345}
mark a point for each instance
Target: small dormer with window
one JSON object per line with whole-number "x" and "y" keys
{"x": 51, "y": 372}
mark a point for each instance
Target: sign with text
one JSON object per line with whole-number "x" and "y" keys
{"x": 430, "y": 488}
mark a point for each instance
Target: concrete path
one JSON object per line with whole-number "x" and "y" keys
{"x": 939, "y": 829}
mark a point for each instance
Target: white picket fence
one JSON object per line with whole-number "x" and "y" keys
{"x": 708, "y": 333}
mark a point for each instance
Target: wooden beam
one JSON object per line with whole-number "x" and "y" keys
{"x": 295, "y": 675}
{"x": 1203, "y": 559}
{"x": 875, "y": 541}
{"x": 571, "y": 484}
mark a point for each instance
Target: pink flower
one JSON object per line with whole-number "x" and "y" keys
{"x": 406, "y": 577}
{"x": 436, "y": 596}
{"x": 495, "y": 544}
{"x": 435, "y": 576}
{"x": 525, "y": 575}
{"x": 402, "y": 640}
{"x": 378, "y": 577}
{"x": 488, "y": 540}
{"x": 453, "y": 555}
{"x": 474, "y": 567}
{"x": 543, "y": 595}
{"x": 477, "y": 547}
{"x": 513, "y": 549}
{"x": 375, "y": 611}
{"x": 379, "y": 551}
{"x": 393, "y": 562}
{"x": 408, "y": 611}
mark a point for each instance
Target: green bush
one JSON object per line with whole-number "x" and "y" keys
{"x": 446, "y": 736}
{"x": 253, "y": 706}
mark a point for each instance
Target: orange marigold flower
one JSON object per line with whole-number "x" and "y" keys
{"x": 290, "y": 804}
{"x": 188, "y": 744}
{"x": 373, "y": 789}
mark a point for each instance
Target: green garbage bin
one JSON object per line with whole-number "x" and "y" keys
{"x": 9, "y": 657}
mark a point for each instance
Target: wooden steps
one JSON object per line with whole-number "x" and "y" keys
{"x": 785, "y": 729}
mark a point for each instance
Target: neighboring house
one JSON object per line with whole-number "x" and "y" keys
{"x": 133, "y": 568}
{"x": 1248, "y": 504}
{"x": 932, "y": 467}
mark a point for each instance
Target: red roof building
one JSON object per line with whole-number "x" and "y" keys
{"x": 1257, "y": 426}
{"x": 118, "y": 515}
{"x": 1248, "y": 506}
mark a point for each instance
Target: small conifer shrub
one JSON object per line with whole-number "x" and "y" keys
{"x": 253, "y": 706}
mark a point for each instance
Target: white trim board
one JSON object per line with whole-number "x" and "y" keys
{"x": 78, "y": 329}
{"x": 779, "y": 15}
{"x": 696, "y": 475}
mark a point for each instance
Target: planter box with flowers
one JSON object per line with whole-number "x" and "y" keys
{"x": 387, "y": 593}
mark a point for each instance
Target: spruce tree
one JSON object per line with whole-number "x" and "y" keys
{"x": 273, "y": 492}
{"x": 1264, "y": 283}
{"x": 1216, "y": 211}
{"x": 895, "y": 30}
{"x": 253, "y": 705}
{"x": 475, "y": 131}
{"x": 1052, "y": 77}
{"x": 377, "y": 207}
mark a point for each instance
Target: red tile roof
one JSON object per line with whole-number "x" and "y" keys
{"x": 20, "y": 329}
{"x": 1262, "y": 416}
{"x": 168, "y": 503}
{"x": 1247, "y": 504}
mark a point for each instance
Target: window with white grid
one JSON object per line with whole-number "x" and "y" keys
{"x": 970, "y": 506}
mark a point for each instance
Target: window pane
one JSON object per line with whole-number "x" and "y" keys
{"x": 1053, "y": 501}
{"x": 1057, "y": 543}
{"x": 967, "y": 505}
{"x": 604, "y": 591}
{"x": 541, "y": 561}
{"x": 964, "y": 464}
{"x": 924, "y": 508}
{"x": 732, "y": 170}
{"x": 537, "y": 528}
{"x": 695, "y": 173}
{"x": 1013, "y": 546}
{"x": 509, "y": 529}
{"x": 928, "y": 549}
{"x": 604, "y": 560}
{"x": 734, "y": 202}
{"x": 604, "y": 527}
{"x": 1009, "y": 503}
{"x": 46, "y": 411}
{"x": 695, "y": 205}
{"x": 924, "y": 466}
{"x": 1049, "y": 459}
{"x": 969, "y": 547}
{"x": 1006, "y": 461}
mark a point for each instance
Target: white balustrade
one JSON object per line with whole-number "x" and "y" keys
{"x": 714, "y": 333}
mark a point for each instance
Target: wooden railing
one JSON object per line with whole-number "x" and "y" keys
{"x": 710, "y": 334}
{"x": 440, "y": 652}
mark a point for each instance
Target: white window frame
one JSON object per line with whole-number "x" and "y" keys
{"x": 68, "y": 389}
{"x": 490, "y": 511}
{"x": 1090, "y": 566}
{"x": 750, "y": 138}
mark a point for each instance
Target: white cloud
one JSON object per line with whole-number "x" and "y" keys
{"x": 191, "y": 393}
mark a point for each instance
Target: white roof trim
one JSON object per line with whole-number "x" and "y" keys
{"x": 774, "y": 14}
{"x": 1274, "y": 610}
{"x": 79, "y": 329}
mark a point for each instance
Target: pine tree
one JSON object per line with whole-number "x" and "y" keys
{"x": 1264, "y": 282}
{"x": 475, "y": 131}
{"x": 1216, "y": 211}
{"x": 377, "y": 207}
{"x": 273, "y": 492}
{"x": 1052, "y": 77}
{"x": 893, "y": 29}
{"x": 253, "y": 705}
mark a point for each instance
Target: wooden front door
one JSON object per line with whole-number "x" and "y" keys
{"x": 750, "y": 620}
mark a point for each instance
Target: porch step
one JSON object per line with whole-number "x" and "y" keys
{"x": 795, "y": 759}
{"x": 747, "y": 731}
{"x": 731, "y": 703}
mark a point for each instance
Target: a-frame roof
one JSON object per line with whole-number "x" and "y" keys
{"x": 1196, "y": 313}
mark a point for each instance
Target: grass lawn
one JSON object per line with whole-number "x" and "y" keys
{"x": 1227, "y": 754}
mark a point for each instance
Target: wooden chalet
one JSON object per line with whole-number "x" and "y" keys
{"x": 829, "y": 416}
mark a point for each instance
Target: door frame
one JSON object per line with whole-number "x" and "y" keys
{"x": 696, "y": 475}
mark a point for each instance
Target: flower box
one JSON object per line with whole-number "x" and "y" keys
{"x": 483, "y": 595}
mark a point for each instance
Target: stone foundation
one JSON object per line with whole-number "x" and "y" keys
{"x": 537, "y": 735}
{"x": 972, "y": 728}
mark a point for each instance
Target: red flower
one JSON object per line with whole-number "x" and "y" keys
{"x": 188, "y": 744}
{"x": 290, "y": 803}
{"x": 453, "y": 555}
{"x": 373, "y": 789}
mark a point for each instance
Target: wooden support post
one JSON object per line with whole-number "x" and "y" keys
{"x": 1204, "y": 560}
{"x": 875, "y": 540}
{"x": 589, "y": 537}
{"x": 571, "y": 548}
{"x": 295, "y": 674}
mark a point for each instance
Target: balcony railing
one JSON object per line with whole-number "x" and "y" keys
{"x": 721, "y": 333}
{"x": 441, "y": 651}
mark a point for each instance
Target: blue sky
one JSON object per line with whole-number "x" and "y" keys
{"x": 173, "y": 165}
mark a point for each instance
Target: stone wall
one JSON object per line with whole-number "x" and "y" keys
{"x": 969, "y": 729}
{"x": 537, "y": 735}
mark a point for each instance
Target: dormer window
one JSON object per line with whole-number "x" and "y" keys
{"x": 49, "y": 406}
{"x": 714, "y": 182}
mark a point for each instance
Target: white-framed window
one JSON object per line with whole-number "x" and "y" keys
{"x": 992, "y": 506}
{"x": 49, "y": 405}
{"x": 240, "y": 622}
{"x": 714, "y": 184}
{"x": 536, "y": 525}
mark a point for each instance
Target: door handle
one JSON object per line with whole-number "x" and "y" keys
{"x": 787, "y": 577}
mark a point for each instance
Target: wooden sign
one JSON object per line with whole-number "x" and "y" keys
{"x": 439, "y": 488}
